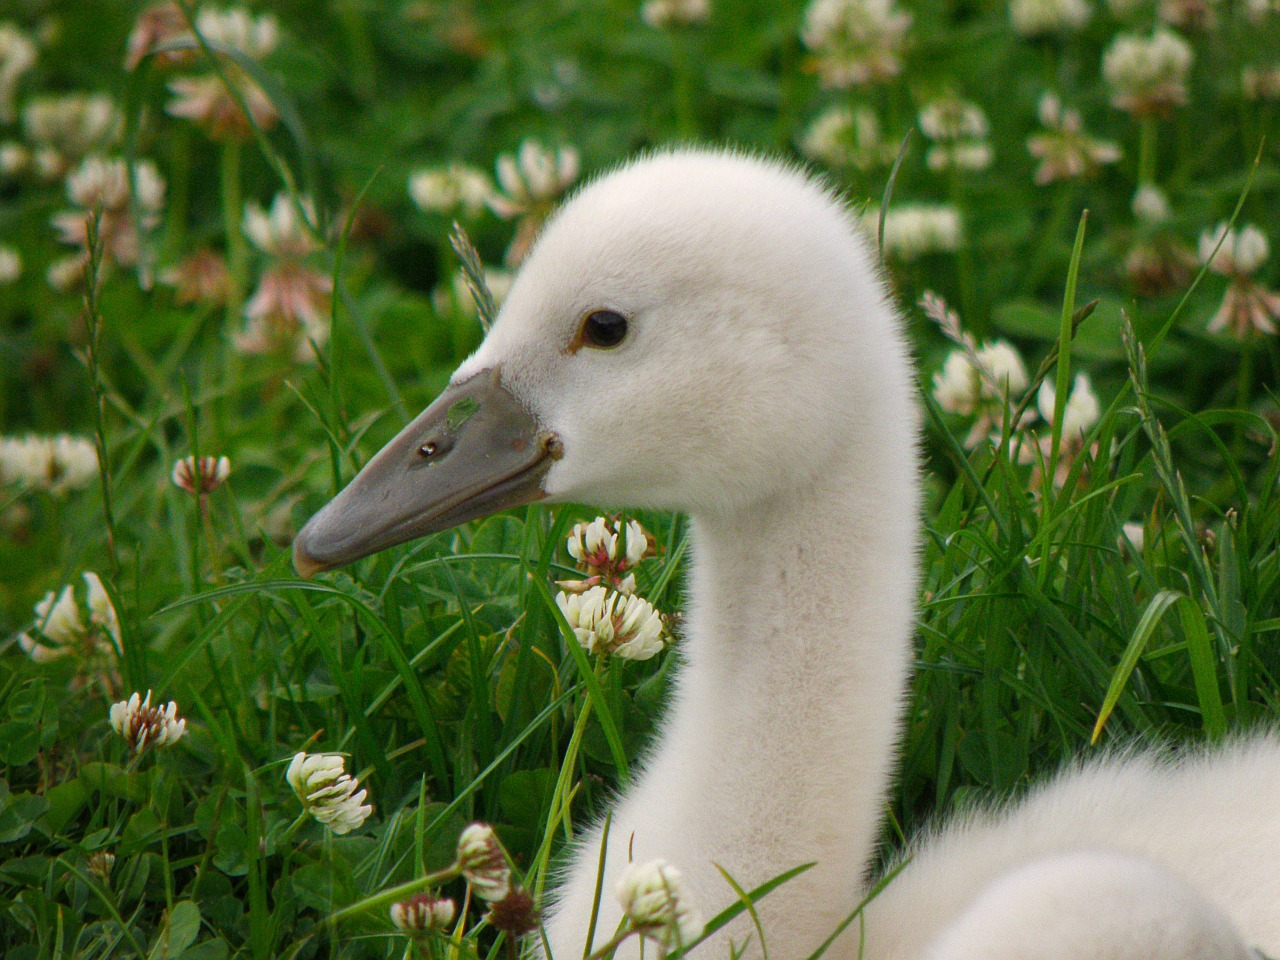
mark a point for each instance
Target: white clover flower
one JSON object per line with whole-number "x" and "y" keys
{"x": 106, "y": 184}
{"x": 533, "y": 176}
{"x": 59, "y": 620}
{"x": 958, "y": 129}
{"x": 1189, "y": 15}
{"x": 592, "y": 544}
{"x": 422, "y": 913}
{"x": 855, "y": 42}
{"x": 17, "y": 56}
{"x": 912, "y": 230}
{"x": 637, "y": 542}
{"x": 957, "y": 387}
{"x": 1256, "y": 83}
{"x": 610, "y": 622}
{"x": 201, "y": 476}
{"x": 1147, "y": 75}
{"x": 237, "y": 29}
{"x": 1242, "y": 252}
{"x": 457, "y": 187}
{"x": 483, "y": 862}
{"x": 281, "y": 232}
{"x": 844, "y": 136}
{"x": 953, "y": 119}
{"x": 666, "y": 14}
{"x": 1065, "y": 151}
{"x": 60, "y": 629}
{"x": 656, "y": 902}
{"x": 64, "y": 129}
{"x": 1133, "y": 535}
{"x": 14, "y": 158}
{"x": 160, "y": 31}
{"x": 57, "y": 464}
{"x": 1004, "y": 373}
{"x": 328, "y": 792}
{"x": 142, "y": 725}
{"x": 1078, "y": 415}
{"x": 1033, "y": 18}
{"x": 102, "y": 613}
{"x": 1150, "y": 204}
{"x": 1248, "y": 306}
{"x": 10, "y": 265}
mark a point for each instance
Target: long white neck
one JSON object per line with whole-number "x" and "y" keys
{"x": 778, "y": 745}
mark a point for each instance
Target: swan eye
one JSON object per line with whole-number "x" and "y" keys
{"x": 604, "y": 328}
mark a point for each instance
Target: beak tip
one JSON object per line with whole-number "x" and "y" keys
{"x": 306, "y": 565}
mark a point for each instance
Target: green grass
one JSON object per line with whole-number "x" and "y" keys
{"x": 441, "y": 668}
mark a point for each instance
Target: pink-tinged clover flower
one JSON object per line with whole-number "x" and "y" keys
{"x": 1248, "y": 307}
{"x": 143, "y": 726}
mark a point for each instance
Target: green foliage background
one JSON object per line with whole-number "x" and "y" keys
{"x": 439, "y": 667}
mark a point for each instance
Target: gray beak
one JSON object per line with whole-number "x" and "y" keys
{"x": 473, "y": 452}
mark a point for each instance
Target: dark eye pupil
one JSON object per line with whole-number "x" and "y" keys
{"x": 604, "y": 328}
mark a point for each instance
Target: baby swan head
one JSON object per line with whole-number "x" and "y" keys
{"x": 695, "y": 331}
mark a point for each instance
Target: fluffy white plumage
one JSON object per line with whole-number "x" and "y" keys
{"x": 764, "y": 388}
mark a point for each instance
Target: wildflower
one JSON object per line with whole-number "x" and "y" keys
{"x": 14, "y": 159}
{"x": 1256, "y": 11}
{"x": 1150, "y": 204}
{"x": 17, "y": 56}
{"x": 200, "y": 277}
{"x": 142, "y": 725}
{"x": 655, "y": 901}
{"x": 10, "y": 265}
{"x": 328, "y": 792}
{"x": 157, "y": 28}
{"x": 282, "y": 232}
{"x": 109, "y": 190}
{"x": 514, "y": 914}
{"x": 1147, "y": 75}
{"x": 64, "y": 130}
{"x": 1261, "y": 82}
{"x": 422, "y": 913}
{"x": 100, "y": 864}
{"x": 1132, "y": 536}
{"x": 447, "y": 190}
{"x": 1079, "y": 414}
{"x": 201, "y": 476}
{"x": 1065, "y": 151}
{"x": 595, "y": 548}
{"x": 608, "y": 622}
{"x": 959, "y": 131}
{"x": 1248, "y": 306}
{"x": 483, "y": 863}
{"x": 63, "y": 631}
{"x": 1034, "y": 18}
{"x": 532, "y": 180}
{"x": 844, "y": 136}
{"x": 912, "y": 230}
{"x": 1189, "y": 15}
{"x": 205, "y": 99}
{"x": 457, "y": 295}
{"x": 290, "y": 310}
{"x": 981, "y": 382}
{"x": 668, "y": 14}
{"x": 855, "y": 42}
{"x": 56, "y": 464}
